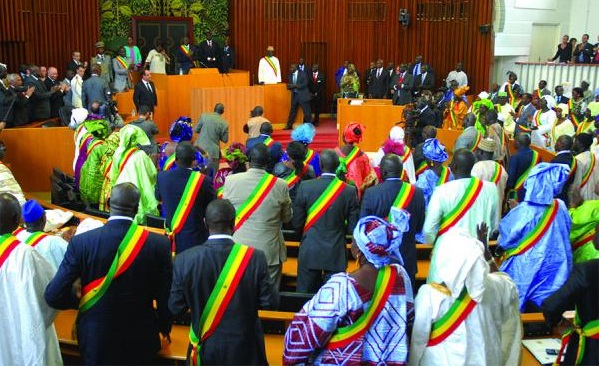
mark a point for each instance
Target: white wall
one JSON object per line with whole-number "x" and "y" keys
{"x": 582, "y": 21}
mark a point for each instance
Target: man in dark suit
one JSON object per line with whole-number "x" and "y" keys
{"x": 317, "y": 84}
{"x": 56, "y": 102}
{"x": 302, "y": 67}
{"x": 275, "y": 148}
{"x": 424, "y": 81}
{"x": 322, "y": 250}
{"x": 527, "y": 111}
{"x": 379, "y": 199}
{"x": 228, "y": 56}
{"x": 209, "y": 53}
{"x": 519, "y": 163}
{"x": 378, "y": 83}
{"x": 563, "y": 149}
{"x": 76, "y": 61}
{"x": 144, "y": 92}
{"x": 122, "y": 327}
{"x": 94, "y": 89}
{"x": 39, "y": 103}
{"x": 184, "y": 56}
{"x": 238, "y": 338}
{"x": 415, "y": 68}
{"x": 14, "y": 109}
{"x": 402, "y": 84}
{"x": 300, "y": 96}
{"x": 559, "y": 95}
{"x": 169, "y": 189}
{"x": 583, "y": 53}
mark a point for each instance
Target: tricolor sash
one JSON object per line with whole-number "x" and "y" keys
{"x": 125, "y": 158}
{"x": 107, "y": 168}
{"x": 126, "y": 253}
{"x": 192, "y": 188}
{"x": 406, "y": 155}
{"x": 272, "y": 65}
{"x": 123, "y": 62}
{"x": 93, "y": 145}
{"x": 18, "y": 231}
{"x": 536, "y": 233}
{"x": 479, "y": 136}
{"x": 35, "y": 238}
{"x": 293, "y": 178}
{"x": 454, "y": 216}
{"x": 454, "y": 118}
{"x": 537, "y": 118}
{"x": 219, "y": 192}
{"x": 84, "y": 142}
{"x": 268, "y": 141}
{"x": 7, "y": 244}
{"x": 573, "y": 116}
{"x": 309, "y": 156}
{"x": 385, "y": 280}
{"x": 590, "y": 330}
{"x": 349, "y": 158}
{"x": 534, "y": 161}
{"x": 169, "y": 163}
{"x": 186, "y": 51}
{"x": 421, "y": 168}
{"x": 404, "y": 197}
{"x": 573, "y": 167}
{"x": 584, "y": 126}
{"x": 587, "y": 175}
{"x": 496, "y": 177}
{"x": 584, "y": 239}
{"x": 450, "y": 321}
{"x": 264, "y": 186}
{"x": 324, "y": 201}
{"x": 220, "y": 297}
{"x": 510, "y": 94}
{"x": 444, "y": 176}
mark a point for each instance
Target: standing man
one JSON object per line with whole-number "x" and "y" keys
{"x": 378, "y": 83}
{"x": 228, "y": 56}
{"x": 300, "y": 96}
{"x": 145, "y": 92}
{"x": 402, "y": 84}
{"x": 212, "y": 129}
{"x": 394, "y": 192}
{"x": 269, "y": 68}
{"x": 56, "y": 101}
{"x": 94, "y": 89}
{"x": 39, "y": 102}
{"x": 234, "y": 337}
{"x": 76, "y": 61}
{"x": 122, "y": 67}
{"x": 76, "y": 92}
{"x": 104, "y": 61}
{"x": 415, "y": 68}
{"x": 120, "y": 269}
{"x": 185, "y": 195}
{"x": 316, "y": 86}
{"x": 424, "y": 81}
{"x": 458, "y": 75}
{"x": 527, "y": 112}
{"x": 563, "y": 150}
{"x": 209, "y": 52}
{"x": 18, "y": 114}
{"x": 27, "y": 335}
{"x": 520, "y": 165}
{"x": 583, "y": 53}
{"x": 184, "y": 56}
{"x": 325, "y": 210}
{"x": 145, "y": 122}
{"x": 263, "y": 205}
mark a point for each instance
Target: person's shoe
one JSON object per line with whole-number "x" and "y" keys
{"x": 287, "y": 127}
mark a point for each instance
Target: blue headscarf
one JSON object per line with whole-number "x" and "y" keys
{"x": 380, "y": 240}
{"x": 434, "y": 150}
{"x": 544, "y": 182}
{"x": 304, "y": 133}
{"x": 181, "y": 130}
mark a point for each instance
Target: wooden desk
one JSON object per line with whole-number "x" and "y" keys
{"x": 277, "y": 103}
{"x": 378, "y": 116}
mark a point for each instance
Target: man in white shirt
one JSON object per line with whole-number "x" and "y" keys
{"x": 77, "y": 87}
{"x": 269, "y": 69}
{"x": 458, "y": 75}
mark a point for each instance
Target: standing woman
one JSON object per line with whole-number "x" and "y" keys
{"x": 157, "y": 59}
{"x": 132, "y": 52}
{"x": 354, "y": 167}
{"x": 360, "y": 317}
{"x": 564, "y": 51}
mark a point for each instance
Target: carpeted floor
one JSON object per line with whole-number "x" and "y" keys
{"x": 327, "y": 136}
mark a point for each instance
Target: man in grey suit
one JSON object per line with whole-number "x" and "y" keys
{"x": 94, "y": 89}
{"x": 527, "y": 112}
{"x": 402, "y": 84}
{"x": 322, "y": 251}
{"x": 467, "y": 138}
{"x": 300, "y": 96}
{"x": 211, "y": 130}
{"x": 262, "y": 230}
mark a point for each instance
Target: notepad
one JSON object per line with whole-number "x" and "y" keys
{"x": 539, "y": 347}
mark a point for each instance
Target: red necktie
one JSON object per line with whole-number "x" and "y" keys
{"x": 315, "y": 76}
{"x": 401, "y": 79}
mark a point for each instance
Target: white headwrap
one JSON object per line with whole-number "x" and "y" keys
{"x": 397, "y": 134}
{"x": 551, "y": 103}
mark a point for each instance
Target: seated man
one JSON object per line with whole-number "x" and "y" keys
{"x": 275, "y": 149}
{"x": 488, "y": 330}
{"x": 235, "y": 337}
{"x": 535, "y": 237}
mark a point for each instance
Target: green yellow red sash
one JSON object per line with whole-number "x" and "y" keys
{"x": 406, "y": 155}
{"x": 107, "y": 168}
{"x": 324, "y": 201}
{"x": 496, "y": 177}
{"x": 220, "y": 297}
{"x": 219, "y": 192}
{"x": 125, "y": 158}
{"x": 309, "y": 156}
{"x": 84, "y": 142}
{"x": 169, "y": 162}
{"x": 258, "y": 195}
{"x": 534, "y": 161}
{"x": 404, "y": 196}
{"x": 7, "y": 244}
{"x": 35, "y": 238}
{"x": 448, "y": 323}
{"x": 421, "y": 168}
{"x": 584, "y": 239}
{"x": 18, "y": 231}
{"x": 192, "y": 188}
{"x": 573, "y": 117}
{"x": 587, "y": 175}
{"x": 537, "y": 118}
{"x": 585, "y": 125}
{"x": 93, "y": 145}
{"x": 353, "y": 155}
{"x": 479, "y": 136}
{"x": 510, "y": 94}
{"x": 536, "y": 233}
{"x": 454, "y": 118}
{"x": 465, "y": 203}
{"x": 573, "y": 167}
{"x": 272, "y": 65}
{"x": 123, "y": 62}
{"x": 590, "y": 330}
{"x": 186, "y": 51}
{"x": 268, "y": 141}
{"x": 385, "y": 280}
{"x": 444, "y": 176}
{"x": 126, "y": 253}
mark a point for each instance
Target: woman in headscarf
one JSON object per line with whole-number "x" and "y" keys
{"x": 350, "y": 83}
{"x": 90, "y": 129}
{"x": 235, "y": 156}
{"x": 562, "y": 125}
{"x": 110, "y": 145}
{"x": 181, "y": 130}
{"x": 436, "y": 173}
{"x": 395, "y": 144}
{"x": 481, "y": 108}
{"x": 294, "y": 170}
{"x": 131, "y": 164}
{"x": 471, "y": 316}
{"x": 457, "y": 109}
{"x": 354, "y": 167}
{"x": 305, "y": 133}
{"x": 361, "y": 317}
{"x": 585, "y": 218}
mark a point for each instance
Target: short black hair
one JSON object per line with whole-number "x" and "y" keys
{"x": 219, "y": 108}
{"x": 259, "y": 156}
{"x": 184, "y": 154}
{"x": 143, "y": 110}
{"x": 266, "y": 128}
{"x": 220, "y": 214}
{"x": 329, "y": 161}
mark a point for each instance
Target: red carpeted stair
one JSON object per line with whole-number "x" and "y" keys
{"x": 326, "y": 137}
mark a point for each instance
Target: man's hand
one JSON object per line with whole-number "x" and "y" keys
{"x": 2, "y": 125}
{"x": 30, "y": 91}
{"x": 482, "y": 230}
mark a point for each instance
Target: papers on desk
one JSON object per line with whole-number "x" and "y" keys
{"x": 539, "y": 348}
{"x": 356, "y": 101}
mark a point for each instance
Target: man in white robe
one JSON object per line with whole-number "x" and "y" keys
{"x": 543, "y": 121}
{"x": 27, "y": 334}
{"x": 269, "y": 68}
{"x": 587, "y": 177}
{"x": 491, "y": 332}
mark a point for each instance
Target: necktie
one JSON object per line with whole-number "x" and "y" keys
{"x": 315, "y": 76}
{"x": 209, "y": 43}
{"x": 294, "y": 78}
{"x": 378, "y": 73}
{"x": 149, "y": 87}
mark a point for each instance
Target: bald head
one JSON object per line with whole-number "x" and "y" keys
{"x": 462, "y": 163}
{"x": 220, "y": 217}
{"x": 124, "y": 200}
{"x": 391, "y": 166}
{"x": 10, "y": 213}
{"x": 564, "y": 142}
{"x": 329, "y": 161}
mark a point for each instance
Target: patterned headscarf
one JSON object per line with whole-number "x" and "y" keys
{"x": 544, "y": 182}
{"x": 304, "y": 133}
{"x": 354, "y": 132}
{"x": 434, "y": 150}
{"x": 379, "y": 240}
{"x": 181, "y": 130}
